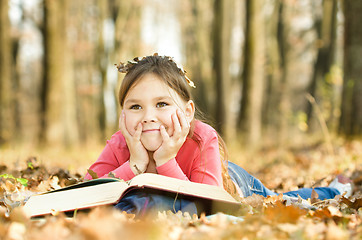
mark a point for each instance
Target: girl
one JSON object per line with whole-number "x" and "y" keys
{"x": 159, "y": 134}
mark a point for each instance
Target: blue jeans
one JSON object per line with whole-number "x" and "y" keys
{"x": 250, "y": 185}
{"x": 141, "y": 203}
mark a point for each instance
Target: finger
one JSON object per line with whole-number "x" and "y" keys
{"x": 122, "y": 125}
{"x": 182, "y": 119}
{"x": 164, "y": 134}
{"x": 137, "y": 134}
{"x": 176, "y": 124}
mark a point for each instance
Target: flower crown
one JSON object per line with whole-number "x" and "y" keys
{"x": 125, "y": 67}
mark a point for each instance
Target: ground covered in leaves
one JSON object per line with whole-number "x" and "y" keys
{"x": 259, "y": 218}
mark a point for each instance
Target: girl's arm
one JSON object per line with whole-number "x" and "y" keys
{"x": 114, "y": 159}
{"x": 205, "y": 166}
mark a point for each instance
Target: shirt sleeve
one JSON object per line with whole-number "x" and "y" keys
{"x": 171, "y": 169}
{"x": 207, "y": 165}
{"x": 205, "y": 168}
{"x": 109, "y": 161}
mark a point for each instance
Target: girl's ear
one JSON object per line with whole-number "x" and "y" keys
{"x": 190, "y": 110}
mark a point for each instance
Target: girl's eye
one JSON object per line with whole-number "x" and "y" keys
{"x": 161, "y": 104}
{"x": 135, "y": 107}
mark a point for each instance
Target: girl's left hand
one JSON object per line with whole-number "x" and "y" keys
{"x": 172, "y": 144}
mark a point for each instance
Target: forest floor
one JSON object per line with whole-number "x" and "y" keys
{"x": 260, "y": 218}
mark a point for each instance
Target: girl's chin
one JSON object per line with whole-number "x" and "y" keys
{"x": 151, "y": 145}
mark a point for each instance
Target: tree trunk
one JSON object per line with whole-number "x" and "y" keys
{"x": 250, "y": 118}
{"x": 221, "y": 62}
{"x": 351, "y": 108}
{"x": 284, "y": 106}
{"x": 127, "y": 19}
{"x": 273, "y": 75}
{"x": 59, "y": 126}
{"x": 196, "y": 37}
{"x": 326, "y": 27}
{"x": 6, "y": 79}
{"x": 102, "y": 57}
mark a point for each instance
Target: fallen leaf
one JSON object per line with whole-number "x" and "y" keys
{"x": 314, "y": 197}
{"x": 356, "y": 204}
{"x": 283, "y": 214}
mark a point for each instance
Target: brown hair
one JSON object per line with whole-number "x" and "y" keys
{"x": 175, "y": 78}
{"x": 163, "y": 67}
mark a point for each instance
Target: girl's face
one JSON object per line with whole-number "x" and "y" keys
{"x": 151, "y": 102}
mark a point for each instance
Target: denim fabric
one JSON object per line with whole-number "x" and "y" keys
{"x": 250, "y": 185}
{"x": 141, "y": 203}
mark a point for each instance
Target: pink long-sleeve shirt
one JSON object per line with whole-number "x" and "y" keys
{"x": 196, "y": 161}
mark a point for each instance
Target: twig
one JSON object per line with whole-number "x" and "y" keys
{"x": 323, "y": 124}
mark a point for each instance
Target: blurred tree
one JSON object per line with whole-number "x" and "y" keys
{"x": 7, "y": 126}
{"x": 59, "y": 125}
{"x": 272, "y": 71}
{"x": 196, "y": 34}
{"x": 284, "y": 88}
{"x": 250, "y": 115}
{"x": 351, "y": 108}
{"x": 221, "y": 61}
{"x": 326, "y": 27}
{"x": 83, "y": 18}
{"x": 127, "y": 41}
{"x": 125, "y": 17}
{"x": 102, "y": 59}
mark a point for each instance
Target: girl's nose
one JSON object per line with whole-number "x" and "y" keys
{"x": 149, "y": 116}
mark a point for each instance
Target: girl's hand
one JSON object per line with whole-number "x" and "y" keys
{"x": 138, "y": 159}
{"x": 172, "y": 144}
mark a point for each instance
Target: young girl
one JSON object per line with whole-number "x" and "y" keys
{"x": 159, "y": 134}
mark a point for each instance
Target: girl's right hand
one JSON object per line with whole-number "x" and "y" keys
{"x": 138, "y": 159}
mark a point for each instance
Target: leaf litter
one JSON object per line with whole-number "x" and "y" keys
{"x": 274, "y": 217}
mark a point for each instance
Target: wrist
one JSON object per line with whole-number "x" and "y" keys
{"x": 160, "y": 162}
{"x": 137, "y": 168}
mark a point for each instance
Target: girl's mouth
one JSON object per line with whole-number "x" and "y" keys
{"x": 151, "y": 130}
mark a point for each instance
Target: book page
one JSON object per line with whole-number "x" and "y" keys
{"x": 76, "y": 198}
{"x": 181, "y": 186}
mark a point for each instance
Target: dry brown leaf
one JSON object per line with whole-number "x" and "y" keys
{"x": 356, "y": 204}
{"x": 280, "y": 213}
{"x": 254, "y": 200}
{"x": 314, "y": 197}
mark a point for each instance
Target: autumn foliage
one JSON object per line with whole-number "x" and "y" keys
{"x": 258, "y": 218}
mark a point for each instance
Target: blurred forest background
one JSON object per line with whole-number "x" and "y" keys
{"x": 268, "y": 72}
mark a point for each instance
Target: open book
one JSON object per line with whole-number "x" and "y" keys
{"x": 104, "y": 191}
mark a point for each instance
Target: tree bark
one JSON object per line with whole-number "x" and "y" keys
{"x": 284, "y": 106}
{"x": 221, "y": 62}
{"x": 273, "y": 74}
{"x": 59, "y": 125}
{"x": 326, "y": 26}
{"x": 351, "y": 108}
{"x": 250, "y": 118}
{"x": 6, "y": 79}
{"x": 196, "y": 36}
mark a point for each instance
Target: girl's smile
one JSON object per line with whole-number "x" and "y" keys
{"x": 151, "y": 130}
{"x": 152, "y": 103}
